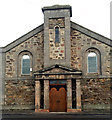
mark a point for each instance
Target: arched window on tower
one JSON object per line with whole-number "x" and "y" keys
{"x": 25, "y": 64}
{"x": 92, "y": 62}
{"x": 57, "y": 35}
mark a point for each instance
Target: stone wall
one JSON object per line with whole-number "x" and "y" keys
{"x": 95, "y": 94}
{"x": 70, "y": 51}
{"x": 95, "y": 87}
{"x": 57, "y": 50}
{"x": 56, "y": 22}
{"x": 19, "y": 89}
{"x": 19, "y": 94}
{"x": 75, "y": 50}
{"x": 80, "y": 43}
{"x": 34, "y": 45}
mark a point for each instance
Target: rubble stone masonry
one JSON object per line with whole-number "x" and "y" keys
{"x": 57, "y": 50}
{"x": 96, "y": 94}
{"x": 80, "y": 43}
{"x": 95, "y": 88}
{"x": 34, "y": 45}
{"x": 19, "y": 90}
{"x": 71, "y": 51}
{"x": 19, "y": 94}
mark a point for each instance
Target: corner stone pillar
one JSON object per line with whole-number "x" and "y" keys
{"x": 69, "y": 94}
{"x": 46, "y": 94}
{"x": 37, "y": 95}
{"x": 78, "y": 94}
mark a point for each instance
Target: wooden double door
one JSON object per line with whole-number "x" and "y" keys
{"x": 58, "y": 98}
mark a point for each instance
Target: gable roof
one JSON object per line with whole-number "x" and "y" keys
{"x": 75, "y": 26}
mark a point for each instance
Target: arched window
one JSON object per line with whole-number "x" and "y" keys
{"x": 25, "y": 64}
{"x": 57, "y": 35}
{"x": 92, "y": 62}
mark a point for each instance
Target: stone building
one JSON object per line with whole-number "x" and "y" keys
{"x": 59, "y": 66}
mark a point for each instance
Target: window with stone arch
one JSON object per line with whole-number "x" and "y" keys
{"x": 25, "y": 63}
{"x": 57, "y": 36}
{"x": 93, "y": 61}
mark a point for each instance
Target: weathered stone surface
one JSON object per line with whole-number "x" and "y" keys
{"x": 95, "y": 87}
{"x": 34, "y": 45}
{"x": 57, "y": 50}
{"x": 19, "y": 92}
{"x": 37, "y": 95}
{"x": 95, "y": 92}
{"x": 56, "y": 21}
{"x": 80, "y": 43}
{"x": 69, "y": 94}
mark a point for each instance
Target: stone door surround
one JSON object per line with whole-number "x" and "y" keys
{"x": 61, "y": 73}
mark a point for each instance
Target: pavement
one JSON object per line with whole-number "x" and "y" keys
{"x": 31, "y": 115}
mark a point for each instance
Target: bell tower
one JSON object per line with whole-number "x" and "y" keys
{"x": 57, "y": 35}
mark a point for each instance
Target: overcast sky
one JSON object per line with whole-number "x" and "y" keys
{"x": 17, "y": 17}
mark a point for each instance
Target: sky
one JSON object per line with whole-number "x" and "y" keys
{"x": 17, "y": 17}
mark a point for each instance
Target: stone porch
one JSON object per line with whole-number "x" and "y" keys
{"x": 53, "y": 73}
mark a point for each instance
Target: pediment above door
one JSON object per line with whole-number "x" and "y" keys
{"x": 57, "y": 71}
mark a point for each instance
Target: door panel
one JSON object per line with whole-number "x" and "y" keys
{"x": 57, "y": 100}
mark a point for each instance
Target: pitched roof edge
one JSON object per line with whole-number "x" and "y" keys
{"x": 23, "y": 38}
{"x": 92, "y": 34}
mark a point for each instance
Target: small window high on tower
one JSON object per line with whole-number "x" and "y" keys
{"x": 57, "y": 35}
